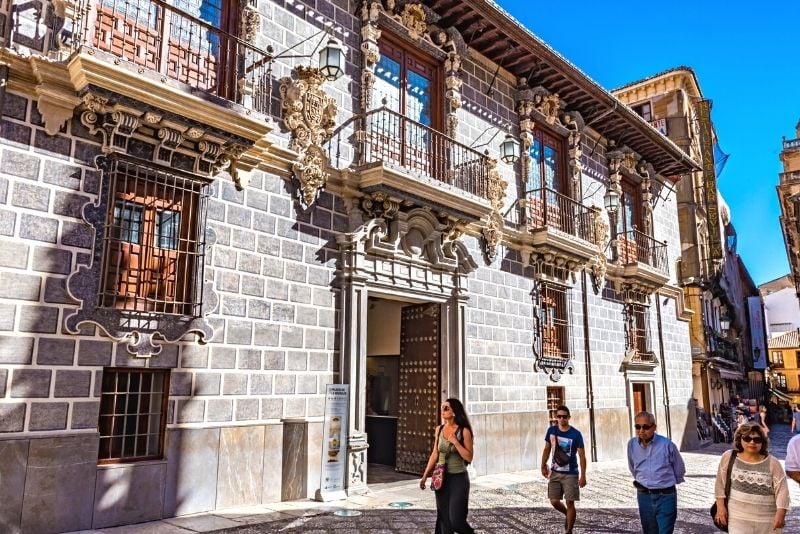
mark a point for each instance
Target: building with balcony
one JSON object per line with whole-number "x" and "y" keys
{"x": 781, "y": 306}
{"x": 714, "y": 280}
{"x": 789, "y": 198}
{"x": 784, "y": 369}
{"x": 207, "y": 218}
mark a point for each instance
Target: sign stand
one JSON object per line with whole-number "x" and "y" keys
{"x": 334, "y": 444}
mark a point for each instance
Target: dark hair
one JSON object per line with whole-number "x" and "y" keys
{"x": 747, "y": 429}
{"x": 460, "y": 414}
{"x": 563, "y": 408}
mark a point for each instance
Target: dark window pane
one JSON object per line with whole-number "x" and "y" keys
{"x": 168, "y": 225}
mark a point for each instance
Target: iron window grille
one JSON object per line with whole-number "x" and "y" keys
{"x": 638, "y": 338}
{"x": 133, "y": 410}
{"x": 552, "y": 329}
{"x": 154, "y": 240}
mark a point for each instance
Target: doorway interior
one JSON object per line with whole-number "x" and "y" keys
{"x": 403, "y": 384}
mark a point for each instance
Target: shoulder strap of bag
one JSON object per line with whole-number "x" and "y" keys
{"x": 728, "y": 474}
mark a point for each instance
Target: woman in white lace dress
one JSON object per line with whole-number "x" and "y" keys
{"x": 759, "y": 495}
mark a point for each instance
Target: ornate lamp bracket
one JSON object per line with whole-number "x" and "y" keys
{"x": 309, "y": 114}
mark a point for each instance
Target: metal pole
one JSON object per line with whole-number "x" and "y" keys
{"x": 588, "y": 362}
{"x": 663, "y": 365}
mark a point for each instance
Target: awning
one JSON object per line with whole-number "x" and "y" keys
{"x": 781, "y": 395}
{"x": 730, "y": 375}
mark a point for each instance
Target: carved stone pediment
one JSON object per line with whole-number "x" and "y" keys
{"x": 309, "y": 114}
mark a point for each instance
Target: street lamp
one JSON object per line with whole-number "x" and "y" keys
{"x": 331, "y": 59}
{"x": 724, "y": 322}
{"x": 611, "y": 200}
{"x": 509, "y": 150}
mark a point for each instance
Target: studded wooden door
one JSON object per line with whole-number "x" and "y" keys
{"x": 419, "y": 386}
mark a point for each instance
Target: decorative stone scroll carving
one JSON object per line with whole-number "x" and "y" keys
{"x": 453, "y": 83}
{"x": 310, "y": 115}
{"x": 496, "y": 193}
{"x": 574, "y": 123}
{"x": 599, "y": 266}
{"x": 251, "y": 21}
{"x": 413, "y": 18}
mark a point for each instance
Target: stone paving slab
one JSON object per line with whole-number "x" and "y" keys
{"x": 505, "y": 503}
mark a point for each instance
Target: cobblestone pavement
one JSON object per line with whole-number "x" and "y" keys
{"x": 514, "y": 502}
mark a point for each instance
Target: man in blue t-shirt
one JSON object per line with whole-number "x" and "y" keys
{"x": 566, "y": 444}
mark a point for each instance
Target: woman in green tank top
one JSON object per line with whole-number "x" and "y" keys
{"x": 452, "y": 444}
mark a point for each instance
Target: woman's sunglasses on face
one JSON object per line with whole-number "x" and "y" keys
{"x": 754, "y": 439}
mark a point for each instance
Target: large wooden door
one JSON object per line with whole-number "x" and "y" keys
{"x": 639, "y": 398}
{"x": 419, "y": 386}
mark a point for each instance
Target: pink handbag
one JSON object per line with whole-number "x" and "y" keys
{"x": 437, "y": 477}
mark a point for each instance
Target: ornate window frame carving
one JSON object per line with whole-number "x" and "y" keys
{"x": 552, "y": 318}
{"x": 119, "y": 126}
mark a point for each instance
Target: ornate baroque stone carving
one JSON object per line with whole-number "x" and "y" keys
{"x": 370, "y": 52}
{"x": 251, "y": 21}
{"x": 453, "y": 83}
{"x": 496, "y": 193}
{"x": 413, "y": 18}
{"x": 310, "y": 115}
{"x": 599, "y": 267}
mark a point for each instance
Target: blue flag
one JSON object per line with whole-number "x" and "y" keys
{"x": 720, "y": 158}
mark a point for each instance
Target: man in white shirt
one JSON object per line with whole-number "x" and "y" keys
{"x": 793, "y": 458}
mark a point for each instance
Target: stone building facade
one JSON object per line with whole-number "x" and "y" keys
{"x": 714, "y": 280}
{"x": 200, "y": 231}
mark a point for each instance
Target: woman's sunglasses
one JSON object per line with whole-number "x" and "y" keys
{"x": 754, "y": 439}
{"x": 445, "y": 408}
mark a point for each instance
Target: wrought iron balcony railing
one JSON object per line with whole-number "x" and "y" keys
{"x": 389, "y": 137}
{"x": 547, "y": 209}
{"x": 159, "y": 37}
{"x": 635, "y": 246}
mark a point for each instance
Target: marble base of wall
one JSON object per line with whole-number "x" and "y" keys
{"x": 53, "y": 484}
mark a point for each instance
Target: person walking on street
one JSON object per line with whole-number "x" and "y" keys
{"x": 792, "y": 462}
{"x": 565, "y": 479}
{"x": 453, "y": 446}
{"x": 762, "y": 419}
{"x": 657, "y": 467}
{"x": 759, "y": 495}
{"x": 796, "y": 420}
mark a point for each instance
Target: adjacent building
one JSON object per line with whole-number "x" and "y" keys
{"x": 210, "y": 213}
{"x": 714, "y": 280}
{"x": 784, "y": 365}
{"x": 781, "y": 306}
{"x": 789, "y": 199}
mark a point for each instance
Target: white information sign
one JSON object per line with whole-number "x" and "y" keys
{"x": 334, "y": 443}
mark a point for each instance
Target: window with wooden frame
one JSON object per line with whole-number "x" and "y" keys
{"x": 629, "y": 221}
{"x": 797, "y": 359}
{"x": 781, "y": 380}
{"x": 638, "y": 335}
{"x": 644, "y": 110}
{"x": 546, "y": 183}
{"x": 777, "y": 357}
{"x": 411, "y": 85}
{"x": 555, "y": 398}
{"x": 154, "y": 239}
{"x": 552, "y": 323}
{"x": 133, "y": 414}
{"x": 191, "y": 41}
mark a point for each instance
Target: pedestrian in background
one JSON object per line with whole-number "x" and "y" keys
{"x": 762, "y": 419}
{"x": 657, "y": 467}
{"x": 452, "y": 444}
{"x": 759, "y": 495}
{"x": 793, "y": 458}
{"x": 796, "y": 419}
{"x": 565, "y": 479}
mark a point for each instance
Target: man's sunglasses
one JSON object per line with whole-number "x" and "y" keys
{"x": 643, "y": 427}
{"x": 754, "y": 439}
{"x": 561, "y": 416}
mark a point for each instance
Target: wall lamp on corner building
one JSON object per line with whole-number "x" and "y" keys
{"x": 611, "y": 199}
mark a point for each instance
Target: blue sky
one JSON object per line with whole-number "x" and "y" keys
{"x": 747, "y": 60}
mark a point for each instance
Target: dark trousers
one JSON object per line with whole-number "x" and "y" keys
{"x": 452, "y": 505}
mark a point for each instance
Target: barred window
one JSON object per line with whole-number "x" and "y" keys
{"x": 553, "y": 322}
{"x": 132, "y": 414}
{"x": 639, "y": 331}
{"x": 154, "y": 239}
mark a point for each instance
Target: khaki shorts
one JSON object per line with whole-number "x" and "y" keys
{"x": 563, "y": 486}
